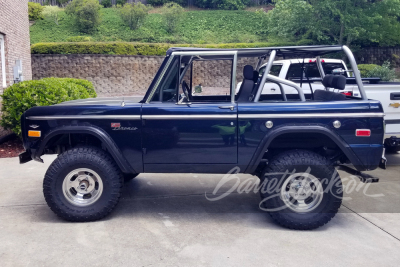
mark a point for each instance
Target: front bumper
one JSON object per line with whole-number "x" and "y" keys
{"x": 25, "y": 157}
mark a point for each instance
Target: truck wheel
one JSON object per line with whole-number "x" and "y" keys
{"x": 392, "y": 149}
{"x": 300, "y": 190}
{"x": 82, "y": 184}
{"x": 128, "y": 176}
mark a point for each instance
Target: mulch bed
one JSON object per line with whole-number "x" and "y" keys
{"x": 11, "y": 148}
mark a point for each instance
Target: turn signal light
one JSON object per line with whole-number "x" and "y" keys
{"x": 34, "y": 133}
{"x": 363, "y": 132}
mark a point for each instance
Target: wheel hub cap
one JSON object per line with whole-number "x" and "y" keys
{"x": 302, "y": 192}
{"x": 82, "y": 187}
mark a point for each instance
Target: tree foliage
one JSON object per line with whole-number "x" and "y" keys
{"x": 341, "y": 21}
{"x": 52, "y": 13}
{"x": 86, "y": 14}
{"x": 172, "y": 14}
{"x": 35, "y": 11}
{"x": 134, "y": 14}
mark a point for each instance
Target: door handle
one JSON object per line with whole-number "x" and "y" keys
{"x": 273, "y": 89}
{"x": 394, "y": 96}
{"x": 226, "y": 107}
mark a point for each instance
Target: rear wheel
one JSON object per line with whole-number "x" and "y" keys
{"x": 300, "y": 190}
{"x": 82, "y": 184}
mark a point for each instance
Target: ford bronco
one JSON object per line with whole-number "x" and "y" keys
{"x": 292, "y": 142}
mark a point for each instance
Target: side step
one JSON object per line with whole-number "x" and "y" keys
{"x": 365, "y": 178}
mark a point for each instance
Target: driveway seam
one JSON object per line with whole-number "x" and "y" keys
{"x": 398, "y": 239}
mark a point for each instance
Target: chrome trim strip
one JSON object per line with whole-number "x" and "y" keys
{"x": 188, "y": 117}
{"x": 81, "y": 117}
{"x": 324, "y": 115}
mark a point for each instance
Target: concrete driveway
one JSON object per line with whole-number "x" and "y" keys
{"x": 166, "y": 220}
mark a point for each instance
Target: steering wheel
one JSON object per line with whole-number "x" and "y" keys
{"x": 185, "y": 89}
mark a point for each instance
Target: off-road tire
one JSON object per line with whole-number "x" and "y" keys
{"x": 320, "y": 168}
{"x": 392, "y": 149}
{"x": 83, "y": 157}
{"x": 128, "y": 177}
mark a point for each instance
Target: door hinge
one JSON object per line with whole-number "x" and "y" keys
{"x": 144, "y": 150}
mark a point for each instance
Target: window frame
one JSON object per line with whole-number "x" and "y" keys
{"x": 174, "y": 55}
{"x": 3, "y": 61}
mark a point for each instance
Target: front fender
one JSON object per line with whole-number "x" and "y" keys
{"x": 91, "y": 130}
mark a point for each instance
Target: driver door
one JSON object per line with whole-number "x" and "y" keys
{"x": 197, "y": 134}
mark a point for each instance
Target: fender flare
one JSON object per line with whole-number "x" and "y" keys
{"x": 268, "y": 138}
{"x": 112, "y": 148}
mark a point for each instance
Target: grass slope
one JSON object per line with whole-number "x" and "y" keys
{"x": 211, "y": 26}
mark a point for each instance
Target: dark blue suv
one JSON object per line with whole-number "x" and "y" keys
{"x": 191, "y": 120}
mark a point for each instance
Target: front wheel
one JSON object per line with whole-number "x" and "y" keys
{"x": 82, "y": 184}
{"x": 300, "y": 190}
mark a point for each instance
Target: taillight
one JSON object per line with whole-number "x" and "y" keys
{"x": 348, "y": 93}
{"x": 363, "y": 132}
{"x": 314, "y": 60}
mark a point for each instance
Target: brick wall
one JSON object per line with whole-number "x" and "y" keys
{"x": 128, "y": 75}
{"x": 378, "y": 55}
{"x": 14, "y": 25}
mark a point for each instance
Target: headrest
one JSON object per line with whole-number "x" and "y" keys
{"x": 334, "y": 81}
{"x": 248, "y": 72}
{"x": 255, "y": 76}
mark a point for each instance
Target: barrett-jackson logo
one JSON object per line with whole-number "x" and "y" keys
{"x": 117, "y": 127}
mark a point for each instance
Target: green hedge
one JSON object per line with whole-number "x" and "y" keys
{"x": 49, "y": 91}
{"x": 365, "y": 69}
{"x": 125, "y": 48}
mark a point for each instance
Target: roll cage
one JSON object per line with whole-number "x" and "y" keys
{"x": 262, "y": 54}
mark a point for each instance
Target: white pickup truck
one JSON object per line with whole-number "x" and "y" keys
{"x": 305, "y": 73}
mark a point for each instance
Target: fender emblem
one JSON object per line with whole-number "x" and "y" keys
{"x": 117, "y": 127}
{"x": 395, "y": 105}
{"x": 34, "y": 126}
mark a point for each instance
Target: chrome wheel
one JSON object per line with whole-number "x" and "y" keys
{"x": 302, "y": 192}
{"x": 82, "y": 187}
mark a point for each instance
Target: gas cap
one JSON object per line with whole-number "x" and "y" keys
{"x": 269, "y": 124}
{"x": 337, "y": 124}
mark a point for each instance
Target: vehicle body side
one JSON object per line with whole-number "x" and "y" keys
{"x": 151, "y": 136}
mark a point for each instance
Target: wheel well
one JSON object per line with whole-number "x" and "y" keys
{"x": 62, "y": 142}
{"x": 316, "y": 142}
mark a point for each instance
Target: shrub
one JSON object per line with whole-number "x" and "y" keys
{"x": 106, "y": 3}
{"x": 35, "y": 11}
{"x": 222, "y": 4}
{"x": 63, "y": 3}
{"x": 24, "y": 95}
{"x": 79, "y": 39}
{"x": 172, "y": 14}
{"x": 52, "y": 13}
{"x": 134, "y": 14}
{"x": 123, "y": 48}
{"x": 162, "y": 2}
{"x": 365, "y": 69}
{"x": 86, "y": 14}
{"x": 385, "y": 72}
{"x": 120, "y": 2}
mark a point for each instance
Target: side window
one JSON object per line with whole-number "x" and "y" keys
{"x": 294, "y": 72}
{"x": 166, "y": 91}
{"x": 311, "y": 70}
{"x": 209, "y": 80}
{"x": 275, "y": 70}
